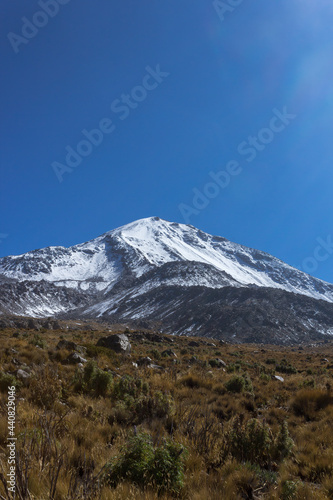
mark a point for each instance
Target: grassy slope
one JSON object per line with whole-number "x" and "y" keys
{"x": 71, "y": 423}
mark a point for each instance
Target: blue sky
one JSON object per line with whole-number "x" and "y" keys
{"x": 223, "y": 74}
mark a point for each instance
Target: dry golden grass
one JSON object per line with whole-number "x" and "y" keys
{"x": 67, "y": 433}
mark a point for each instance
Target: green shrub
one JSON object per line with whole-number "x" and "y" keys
{"x": 155, "y": 354}
{"x": 37, "y": 341}
{"x": 308, "y": 383}
{"x": 129, "y": 386}
{"x": 7, "y": 380}
{"x": 265, "y": 377}
{"x": 102, "y": 382}
{"x": 93, "y": 351}
{"x": 143, "y": 463}
{"x": 135, "y": 404}
{"x": 233, "y": 367}
{"x": 283, "y": 442}
{"x": 285, "y": 367}
{"x": 250, "y": 442}
{"x": 254, "y": 442}
{"x": 289, "y": 490}
{"x": 93, "y": 380}
{"x": 235, "y": 384}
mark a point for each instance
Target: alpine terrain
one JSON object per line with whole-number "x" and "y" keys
{"x": 174, "y": 277}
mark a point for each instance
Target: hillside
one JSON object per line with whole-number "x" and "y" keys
{"x": 191, "y": 418}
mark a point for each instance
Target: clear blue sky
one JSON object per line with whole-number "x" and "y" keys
{"x": 225, "y": 78}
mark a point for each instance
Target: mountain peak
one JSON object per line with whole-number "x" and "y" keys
{"x": 146, "y": 262}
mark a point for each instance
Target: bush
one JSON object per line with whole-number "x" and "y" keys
{"x": 250, "y": 442}
{"x": 285, "y": 367}
{"x": 93, "y": 351}
{"x": 233, "y": 367}
{"x": 143, "y": 463}
{"x": 192, "y": 381}
{"x": 7, "y": 380}
{"x": 265, "y": 377}
{"x": 308, "y": 402}
{"x": 102, "y": 382}
{"x": 37, "y": 341}
{"x": 45, "y": 388}
{"x": 235, "y": 384}
{"x": 92, "y": 380}
{"x": 254, "y": 442}
{"x": 283, "y": 442}
{"x": 289, "y": 490}
{"x": 135, "y": 403}
{"x": 128, "y": 386}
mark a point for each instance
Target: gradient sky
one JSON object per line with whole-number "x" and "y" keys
{"x": 225, "y": 78}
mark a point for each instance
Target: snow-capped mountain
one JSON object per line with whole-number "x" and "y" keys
{"x": 147, "y": 270}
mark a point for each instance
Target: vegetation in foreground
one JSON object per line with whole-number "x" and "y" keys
{"x": 209, "y": 421}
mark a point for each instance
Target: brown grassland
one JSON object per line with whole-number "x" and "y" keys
{"x": 193, "y": 429}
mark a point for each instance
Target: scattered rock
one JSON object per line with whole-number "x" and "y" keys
{"x": 118, "y": 343}
{"x": 193, "y": 343}
{"x": 221, "y": 363}
{"x": 156, "y": 367}
{"x": 144, "y": 361}
{"x": 23, "y": 376}
{"x": 277, "y": 377}
{"x": 325, "y": 360}
{"x": 75, "y": 358}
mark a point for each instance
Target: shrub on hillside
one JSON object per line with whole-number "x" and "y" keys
{"x": 45, "y": 388}
{"x": 254, "y": 442}
{"x": 92, "y": 380}
{"x": 37, "y": 341}
{"x": 142, "y": 463}
{"x": 7, "y": 380}
{"x": 308, "y": 402}
{"x": 285, "y": 367}
{"x": 235, "y": 384}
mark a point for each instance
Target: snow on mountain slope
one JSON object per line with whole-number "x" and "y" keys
{"x": 146, "y": 246}
{"x": 158, "y": 242}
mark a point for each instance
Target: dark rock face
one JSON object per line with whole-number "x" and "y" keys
{"x": 118, "y": 343}
{"x": 252, "y": 315}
